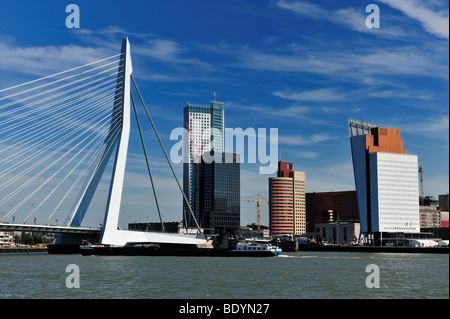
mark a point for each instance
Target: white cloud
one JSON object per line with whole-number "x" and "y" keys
{"x": 45, "y": 60}
{"x": 304, "y": 8}
{"x": 302, "y": 140}
{"x": 112, "y": 30}
{"x": 356, "y": 19}
{"x": 170, "y": 52}
{"x": 348, "y": 17}
{"x": 402, "y": 93}
{"x": 363, "y": 65}
{"x": 306, "y": 154}
{"x": 437, "y": 125}
{"x": 291, "y": 112}
{"x": 436, "y": 23}
{"x": 318, "y": 95}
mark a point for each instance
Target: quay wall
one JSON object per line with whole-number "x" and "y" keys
{"x": 23, "y": 250}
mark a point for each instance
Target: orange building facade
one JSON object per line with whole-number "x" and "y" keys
{"x": 386, "y": 140}
{"x": 281, "y": 206}
{"x": 287, "y": 209}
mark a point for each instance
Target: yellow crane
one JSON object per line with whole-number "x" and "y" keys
{"x": 258, "y": 207}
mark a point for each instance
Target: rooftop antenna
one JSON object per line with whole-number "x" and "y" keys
{"x": 214, "y": 96}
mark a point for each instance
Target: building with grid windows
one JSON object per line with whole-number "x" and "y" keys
{"x": 204, "y": 127}
{"x": 287, "y": 209}
{"x": 216, "y": 192}
{"x": 386, "y": 180}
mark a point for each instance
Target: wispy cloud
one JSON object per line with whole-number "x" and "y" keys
{"x": 308, "y": 154}
{"x": 347, "y": 17}
{"x": 172, "y": 53}
{"x": 404, "y": 93}
{"x": 304, "y": 140}
{"x": 172, "y": 60}
{"x": 291, "y": 111}
{"x": 112, "y": 30}
{"x": 318, "y": 95}
{"x": 304, "y": 8}
{"x": 436, "y": 125}
{"x": 434, "y": 22}
{"x": 364, "y": 65}
{"x": 298, "y": 112}
{"x": 44, "y": 60}
{"x": 355, "y": 19}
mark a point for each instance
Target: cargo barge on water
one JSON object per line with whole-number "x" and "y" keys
{"x": 241, "y": 250}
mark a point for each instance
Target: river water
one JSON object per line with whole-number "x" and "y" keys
{"x": 299, "y": 275}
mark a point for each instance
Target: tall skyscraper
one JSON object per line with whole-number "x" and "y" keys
{"x": 386, "y": 181}
{"x": 287, "y": 209}
{"x": 216, "y": 196}
{"x": 205, "y": 128}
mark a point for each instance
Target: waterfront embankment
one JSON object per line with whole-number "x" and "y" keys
{"x": 23, "y": 250}
{"x": 375, "y": 249}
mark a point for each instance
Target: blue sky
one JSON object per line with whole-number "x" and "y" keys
{"x": 303, "y": 67}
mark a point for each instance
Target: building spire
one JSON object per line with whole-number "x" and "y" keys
{"x": 214, "y": 96}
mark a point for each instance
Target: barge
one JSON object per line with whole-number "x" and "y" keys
{"x": 241, "y": 250}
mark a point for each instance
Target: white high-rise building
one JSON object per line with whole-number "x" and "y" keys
{"x": 394, "y": 193}
{"x": 386, "y": 180}
{"x": 205, "y": 133}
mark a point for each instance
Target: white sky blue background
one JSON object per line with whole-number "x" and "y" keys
{"x": 303, "y": 67}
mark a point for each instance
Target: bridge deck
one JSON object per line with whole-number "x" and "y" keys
{"x": 49, "y": 229}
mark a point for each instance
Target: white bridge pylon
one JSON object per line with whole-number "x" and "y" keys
{"x": 118, "y": 139}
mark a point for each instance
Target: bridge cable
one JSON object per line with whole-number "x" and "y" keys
{"x": 59, "y": 80}
{"x": 45, "y": 135}
{"x": 63, "y": 113}
{"x": 88, "y": 166}
{"x": 53, "y": 175}
{"x": 146, "y": 160}
{"x": 165, "y": 154}
{"x": 49, "y": 76}
{"x": 94, "y": 120}
{"x": 116, "y": 130}
{"x": 68, "y": 97}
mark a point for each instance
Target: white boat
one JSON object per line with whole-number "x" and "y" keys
{"x": 256, "y": 249}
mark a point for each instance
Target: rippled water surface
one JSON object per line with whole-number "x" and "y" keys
{"x": 292, "y": 275}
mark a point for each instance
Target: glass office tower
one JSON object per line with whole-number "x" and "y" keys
{"x": 216, "y": 192}
{"x": 205, "y": 128}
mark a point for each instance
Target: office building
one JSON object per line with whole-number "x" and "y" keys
{"x": 216, "y": 192}
{"x": 205, "y": 127}
{"x": 443, "y": 202}
{"x": 330, "y": 207}
{"x": 287, "y": 211}
{"x": 386, "y": 180}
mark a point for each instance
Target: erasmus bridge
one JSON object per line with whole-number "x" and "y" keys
{"x": 57, "y": 136}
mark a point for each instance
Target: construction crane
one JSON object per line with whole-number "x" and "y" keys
{"x": 422, "y": 194}
{"x": 258, "y": 207}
